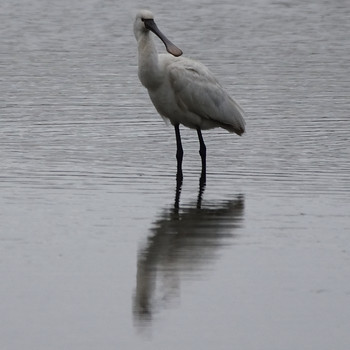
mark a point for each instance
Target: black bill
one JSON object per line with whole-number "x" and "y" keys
{"x": 170, "y": 47}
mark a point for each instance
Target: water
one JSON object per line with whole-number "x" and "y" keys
{"x": 94, "y": 253}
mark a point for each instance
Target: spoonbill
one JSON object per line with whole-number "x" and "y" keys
{"x": 182, "y": 90}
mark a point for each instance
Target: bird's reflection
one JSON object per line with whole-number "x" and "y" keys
{"x": 184, "y": 241}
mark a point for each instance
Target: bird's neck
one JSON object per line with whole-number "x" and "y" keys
{"x": 149, "y": 71}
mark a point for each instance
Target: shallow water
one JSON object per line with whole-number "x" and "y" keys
{"x": 98, "y": 249}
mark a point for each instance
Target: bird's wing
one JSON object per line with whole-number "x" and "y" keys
{"x": 197, "y": 90}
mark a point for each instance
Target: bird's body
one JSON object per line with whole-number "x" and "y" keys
{"x": 189, "y": 94}
{"x": 182, "y": 90}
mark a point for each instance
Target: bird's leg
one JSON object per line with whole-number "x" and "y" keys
{"x": 203, "y": 154}
{"x": 179, "y": 154}
{"x": 177, "y": 196}
{"x": 200, "y": 191}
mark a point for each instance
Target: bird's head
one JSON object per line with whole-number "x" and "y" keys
{"x": 144, "y": 22}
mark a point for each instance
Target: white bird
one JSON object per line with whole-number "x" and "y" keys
{"x": 183, "y": 90}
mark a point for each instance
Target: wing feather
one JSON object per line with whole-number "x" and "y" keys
{"x": 198, "y": 91}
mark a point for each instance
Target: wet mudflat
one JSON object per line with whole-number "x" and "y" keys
{"x": 98, "y": 246}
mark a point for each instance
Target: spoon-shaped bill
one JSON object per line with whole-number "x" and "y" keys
{"x": 170, "y": 47}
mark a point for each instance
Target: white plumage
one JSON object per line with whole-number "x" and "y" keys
{"x": 183, "y": 90}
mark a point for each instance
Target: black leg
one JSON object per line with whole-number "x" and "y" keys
{"x": 203, "y": 154}
{"x": 177, "y": 195}
{"x": 200, "y": 191}
{"x": 179, "y": 154}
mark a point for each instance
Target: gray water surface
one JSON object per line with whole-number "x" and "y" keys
{"x": 100, "y": 250}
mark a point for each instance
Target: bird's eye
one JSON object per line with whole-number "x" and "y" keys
{"x": 142, "y": 19}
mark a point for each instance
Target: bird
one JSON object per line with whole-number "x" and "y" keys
{"x": 183, "y": 91}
